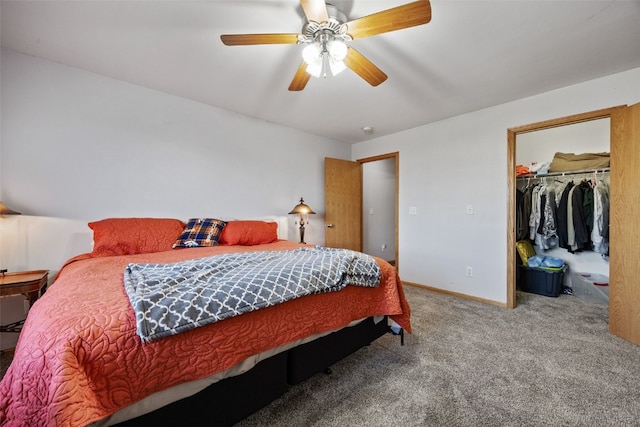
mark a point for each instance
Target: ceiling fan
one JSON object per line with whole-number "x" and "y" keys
{"x": 325, "y": 36}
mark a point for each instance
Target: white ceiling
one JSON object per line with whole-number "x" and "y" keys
{"x": 473, "y": 54}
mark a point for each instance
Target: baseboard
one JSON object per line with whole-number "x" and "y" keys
{"x": 456, "y": 294}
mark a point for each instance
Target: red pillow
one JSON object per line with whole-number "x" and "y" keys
{"x": 128, "y": 236}
{"x": 249, "y": 233}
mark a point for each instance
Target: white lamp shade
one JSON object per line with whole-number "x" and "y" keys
{"x": 312, "y": 53}
{"x": 336, "y": 66}
{"x": 315, "y": 68}
{"x": 337, "y": 50}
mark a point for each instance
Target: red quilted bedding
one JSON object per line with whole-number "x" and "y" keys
{"x": 79, "y": 358}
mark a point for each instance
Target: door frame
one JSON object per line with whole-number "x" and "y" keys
{"x": 395, "y": 155}
{"x": 613, "y": 113}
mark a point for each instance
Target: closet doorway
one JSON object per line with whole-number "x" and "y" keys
{"x": 540, "y": 147}
{"x": 624, "y": 293}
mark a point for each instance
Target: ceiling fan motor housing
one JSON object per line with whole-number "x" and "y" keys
{"x": 322, "y": 32}
{"x": 336, "y": 14}
{"x": 330, "y": 30}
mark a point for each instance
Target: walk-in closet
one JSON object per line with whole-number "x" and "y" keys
{"x": 563, "y": 202}
{"x": 624, "y": 213}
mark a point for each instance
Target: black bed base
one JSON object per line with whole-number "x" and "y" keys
{"x": 238, "y": 397}
{"x": 308, "y": 359}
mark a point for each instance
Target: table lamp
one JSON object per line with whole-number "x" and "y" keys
{"x": 303, "y": 210}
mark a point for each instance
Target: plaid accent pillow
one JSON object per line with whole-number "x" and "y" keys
{"x": 200, "y": 232}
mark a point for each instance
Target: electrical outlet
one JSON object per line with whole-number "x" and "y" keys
{"x": 384, "y": 246}
{"x": 413, "y": 210}
{"x": 469, "y": 271}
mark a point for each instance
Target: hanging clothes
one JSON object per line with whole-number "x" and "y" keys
{"x": 571, "y": 232}
{"x": 562, "y": 214}
{"x": 549, "y": 229}
{"x": 534, "y": 218}
{"x": 562, "y": 221}
{"x": 600, "y": 231}
{"x": 521, "y": 225}
{"x": 579, "y": 213}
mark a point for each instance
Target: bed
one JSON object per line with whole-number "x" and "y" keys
{"x": 81, "y": 359}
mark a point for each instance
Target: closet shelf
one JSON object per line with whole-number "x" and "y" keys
{"x": 577, "y": 172}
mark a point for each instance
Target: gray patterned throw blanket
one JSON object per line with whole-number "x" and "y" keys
{"x": 172, "y": 298}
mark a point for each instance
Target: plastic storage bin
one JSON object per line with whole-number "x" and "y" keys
{"x": 591, "y": 287}
{"x": 541, "y": 281}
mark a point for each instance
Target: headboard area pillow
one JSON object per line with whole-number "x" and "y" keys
{"x": 249, "y": 232}
{"x": 128, "y": 236}
{"x": 200, "y": 232}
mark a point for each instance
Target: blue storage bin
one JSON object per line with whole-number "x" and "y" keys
{"x": 541, "y": 281}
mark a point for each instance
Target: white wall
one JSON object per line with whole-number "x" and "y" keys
{"x": 447, "y": 165}
{"x": 78, "y": 147}
{"x": 378, "y": 208}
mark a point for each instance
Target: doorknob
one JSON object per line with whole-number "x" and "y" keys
{"x": 329, "y": 225}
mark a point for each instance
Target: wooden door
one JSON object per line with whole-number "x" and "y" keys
{"x": 343, "y": 204}
{"x": 624, "y": 265}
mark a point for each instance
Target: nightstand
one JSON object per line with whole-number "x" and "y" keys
{"x": 28, "y": 283}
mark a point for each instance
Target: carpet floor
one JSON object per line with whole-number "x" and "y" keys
{"x": 549, "y": 362}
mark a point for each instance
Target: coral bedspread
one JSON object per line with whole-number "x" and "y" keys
{"x": 79, "y": 358}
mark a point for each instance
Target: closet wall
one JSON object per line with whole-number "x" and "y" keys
{"x": 540, "y": 146}
{"x": 585, "y": 137}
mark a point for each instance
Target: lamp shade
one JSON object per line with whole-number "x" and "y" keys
{"x": 337, "y": 50}
{"x": 301, "y": 208}
{"x": 4, "y": 210}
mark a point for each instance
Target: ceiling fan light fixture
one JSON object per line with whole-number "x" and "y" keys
{"x": 324, "y": 65}
{"x": 322, "y": 56}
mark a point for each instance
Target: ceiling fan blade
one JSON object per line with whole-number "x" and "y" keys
{"x": 397, "y": 18}
{"x": 251, "y": 39}
{"x": 301, "y": 78}
{"x": 315, "y": 10}
{"x": 364, "y": 68}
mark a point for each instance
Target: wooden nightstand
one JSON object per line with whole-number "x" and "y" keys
{"x": 28, "y": 283}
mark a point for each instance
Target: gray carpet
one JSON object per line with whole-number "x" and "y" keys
{"x": 549, "y": 362}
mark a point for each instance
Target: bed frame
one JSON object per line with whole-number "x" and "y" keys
{"x": 245, "y": 394}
